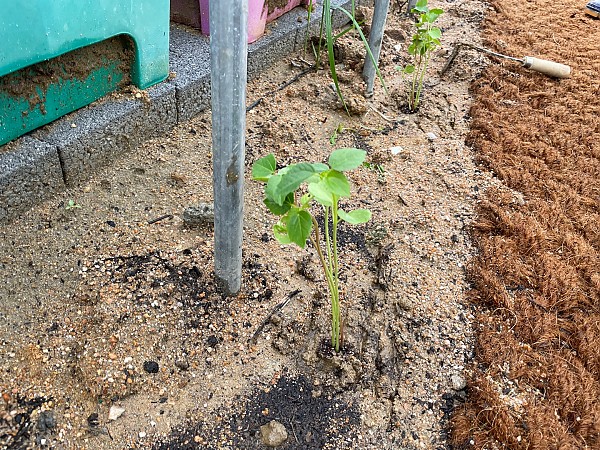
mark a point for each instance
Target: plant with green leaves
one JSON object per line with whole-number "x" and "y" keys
{"x": 72, "y": 205}
{"x": 326, "y": 33}
{"x": 423, "y": 43}
{"x": 290, "y": 193}
{"x": 336, "y": 133}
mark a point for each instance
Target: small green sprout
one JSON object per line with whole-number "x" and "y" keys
{"x": 378, "y": 168}
{"x": 324, "y": 184}
{"x": 336, "y": 134}
{"x": 72, "y": 205}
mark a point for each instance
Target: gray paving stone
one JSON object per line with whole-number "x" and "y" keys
{"x": 190, "y": 61}
{"x": 30, "y": 172}
{"x": 95, "y": 135}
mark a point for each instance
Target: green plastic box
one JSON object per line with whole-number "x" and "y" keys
{"x": 35, "y": 31}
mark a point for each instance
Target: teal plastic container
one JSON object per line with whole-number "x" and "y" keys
{"x": 35, "y": 31}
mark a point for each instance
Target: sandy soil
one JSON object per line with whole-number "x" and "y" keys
{"x": 103, "y": 310}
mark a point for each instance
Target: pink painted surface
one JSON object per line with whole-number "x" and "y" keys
{"x": 257, "y": 15}
{"x": 204, "y": 27}
{"x": 257, "y": 18}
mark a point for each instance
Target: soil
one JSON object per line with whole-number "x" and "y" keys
{"x": 104, "y": 307}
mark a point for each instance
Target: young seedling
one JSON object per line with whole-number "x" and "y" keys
{"x": 336, "y": 134}
{"x": 289, "y": 194}
{"x": 378, "y": 168}
{"x": 72, "y": 205}
{"x": 424, "y": 42}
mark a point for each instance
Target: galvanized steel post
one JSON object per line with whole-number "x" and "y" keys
{"x": 228, "y": 54}
{"x": 375, "y": 38}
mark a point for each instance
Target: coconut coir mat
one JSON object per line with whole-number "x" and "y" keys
{"x": 536, "y": 382}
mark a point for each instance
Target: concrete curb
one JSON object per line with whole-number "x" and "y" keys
{"x": 65, "y": 152}
{"x": 30, "y": 172}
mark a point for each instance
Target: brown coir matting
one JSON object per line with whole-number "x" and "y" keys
{"x": 536, "y": 382}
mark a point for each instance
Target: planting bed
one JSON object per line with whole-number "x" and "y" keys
{"x": 106, "y": 311}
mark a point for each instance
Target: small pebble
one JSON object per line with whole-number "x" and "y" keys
{"x": 93, "y": 420}
{"x": 151, "y": 366}
{"x": 46, "y": 421}
{"x": 458, "y": 382}
{"x": 182, "y": 364}
{"x": 115, "y": 412}
{"x": 198, "y": 215}
{"x": 273, "y": 434}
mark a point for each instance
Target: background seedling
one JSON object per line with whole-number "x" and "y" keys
{"x": 378, "y": 168}
{"x": 336, "y": 133}
{"x": 423, "y": 43}
{"x": 72, "y": 205}
{"x": 324, "y": 185}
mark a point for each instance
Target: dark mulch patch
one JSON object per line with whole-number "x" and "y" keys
{"x": 312, "y": 421}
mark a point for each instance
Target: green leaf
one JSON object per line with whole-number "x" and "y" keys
{"x": 320, "y": 167}
{"x": 431, "y": 17}
{"x": 421, "y": 6}
{"x": 263, "y": 168}
{"x": 437, "y": 11}
{"x": 409, "y": 69}
{"x": 272, "y": 192}
{"x": 281, "y": 234}
{"x": 291, "y": 180}
{"x": 346, "y": 159}
{"x": 280, "y": 210}
{"x": 355, "y": 217}
{"x": 321, "y": 193}
{"x": 299, "y": 226}
{"x": 314, "y": 178}
{"x": 337, "y": 183}
{"x": 435, "y": 33}
{"x": 304, "y": 200}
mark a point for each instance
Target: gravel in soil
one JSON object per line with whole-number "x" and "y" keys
{"x": 105, "y": 306}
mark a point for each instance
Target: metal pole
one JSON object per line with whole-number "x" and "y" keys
{"x": 375, "y": 38}
{"x": 228, "y": 54}
{"x": 411, "y": 5}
